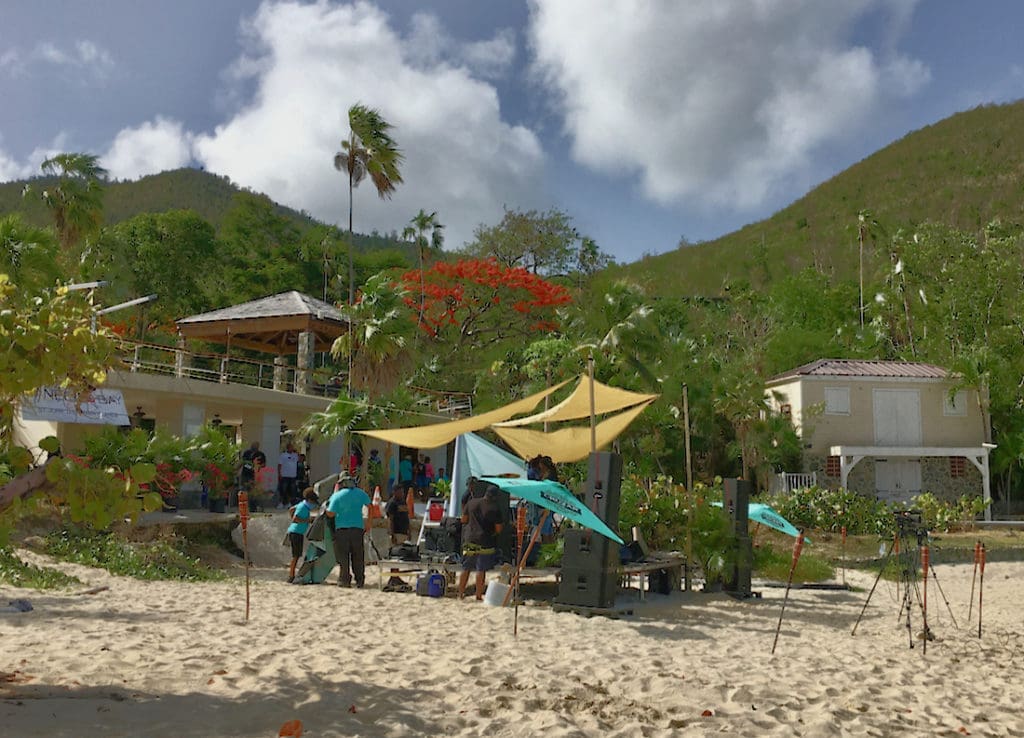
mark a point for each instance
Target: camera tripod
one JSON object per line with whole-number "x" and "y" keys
{"x": 909, "y": 549}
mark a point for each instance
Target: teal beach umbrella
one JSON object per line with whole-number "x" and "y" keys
{"x": 555, "y": 497}
{"x": 766, "y": 515}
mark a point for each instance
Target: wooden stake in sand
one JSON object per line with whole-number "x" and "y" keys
{"x": 522, "y": 560}
{"x": 974, "y": 578}
{"x": 797, "y": 548}
{"x": 981, "y": 584}
{"x": 844, "y": 555}
{"x": 925, "y": 558}
{"x": 243, "y": 514}
{"x": 520, "y": 532}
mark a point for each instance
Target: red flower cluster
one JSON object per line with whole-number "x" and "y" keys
{"x": 460, "y": 293}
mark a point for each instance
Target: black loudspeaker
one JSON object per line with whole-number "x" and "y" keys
{"x": 446, "y": 538}
{"x": 736, "y": 499}
{"x": 587, "y": 587}
{"x": 585, "y": 549}
{"x": 604, "y": 481}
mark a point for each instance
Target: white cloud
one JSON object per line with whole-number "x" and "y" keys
{"x": 428, "y": 44}
{"x": 83, "y": 55}
{"x": 12, "y": 169}
{"x": 310, "y": 62}
{"x": 717, "y": 103}
{"x": 149, "y": 148}
{"x": 11, "y": 63}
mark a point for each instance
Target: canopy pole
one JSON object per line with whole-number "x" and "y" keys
{"x": 593, "y": 420}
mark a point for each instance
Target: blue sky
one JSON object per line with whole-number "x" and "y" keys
{"x": 644, "y": 121}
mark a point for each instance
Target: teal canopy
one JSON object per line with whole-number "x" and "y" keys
{"x": 557, "y": 498}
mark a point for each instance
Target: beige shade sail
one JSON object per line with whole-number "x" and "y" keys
{"x": 440, "y": 434}
{"x": 568, "y": 444}
{"x": 577, "y": 405}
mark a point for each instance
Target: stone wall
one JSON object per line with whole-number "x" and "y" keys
{"x": 935, "y": 477}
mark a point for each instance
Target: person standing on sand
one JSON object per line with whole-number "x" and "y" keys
{"x": 288, "y": 473}
{"x": 480, "y": 529}
{"x": 397, "y": 513}
{"x": 301, "y": 515}
{"x": 345, "y": 509}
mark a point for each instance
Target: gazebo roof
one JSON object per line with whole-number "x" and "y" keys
{"x": 270, "y": 324}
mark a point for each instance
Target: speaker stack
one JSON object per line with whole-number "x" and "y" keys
{"x": 590, "y": 561}
{"x": 736, "y": 499}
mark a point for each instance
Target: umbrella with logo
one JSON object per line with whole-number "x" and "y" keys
{"x": 767, "y": 515}
{"x": 556, "y": 498}
{"x": 553, "y": 497}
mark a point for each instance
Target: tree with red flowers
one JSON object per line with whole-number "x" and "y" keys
{"x": 478, "y": 302}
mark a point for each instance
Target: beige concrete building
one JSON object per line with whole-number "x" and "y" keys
{"x": 892, "y": 429}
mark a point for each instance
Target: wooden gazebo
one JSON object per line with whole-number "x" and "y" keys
{"x": 282, "y": 324}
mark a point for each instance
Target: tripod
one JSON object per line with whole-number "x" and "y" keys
{"x": 909, "y": 558}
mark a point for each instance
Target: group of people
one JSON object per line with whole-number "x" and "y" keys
{"x": 481, "y": 523}
{"x": 263, "y": 485}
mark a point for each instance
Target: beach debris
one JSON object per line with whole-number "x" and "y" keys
{"x": 963, "y": 730}
{"x": 707, "y": 713}
{"x": 17, "y": 606}
{"x": 94, "y": 590}
{"x": 352, "y": 709}
{"x": 291, "y": 729}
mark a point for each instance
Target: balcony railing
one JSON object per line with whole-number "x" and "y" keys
{"x": 151, "y": 358}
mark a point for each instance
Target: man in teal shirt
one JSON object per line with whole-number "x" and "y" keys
{"x": 345, "y": 508}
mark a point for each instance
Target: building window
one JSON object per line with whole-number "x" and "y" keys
{"x": 955, "y": 405}
{"x": 957, "y": 466}
{"x": 832, "y": 467}
{"x": 837, "y": 400}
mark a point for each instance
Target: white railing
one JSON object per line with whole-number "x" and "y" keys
{"x": 787, "y": 481}
{"x": 151, "y": 358}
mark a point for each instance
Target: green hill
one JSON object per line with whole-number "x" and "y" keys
{"x": 209, "y": 195}
{"x": 962, "y": 171}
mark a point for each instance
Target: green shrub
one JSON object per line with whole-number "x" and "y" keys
{"x": 153, "y": 560}
{"x": 17, "y": 573}
{"x": 831, "y": 509}
{"x": 939, "y": 515}
{"x": 663, "y": 510}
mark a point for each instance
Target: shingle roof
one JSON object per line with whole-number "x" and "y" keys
{"x": 864, "y": 368}
{"x": 282, "y": 305}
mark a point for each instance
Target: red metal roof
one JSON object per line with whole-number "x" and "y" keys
{"x": 864, "y": 368}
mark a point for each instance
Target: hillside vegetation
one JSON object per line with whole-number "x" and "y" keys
{"x": 208, "y": 195}
{"x": 963, "y": 172}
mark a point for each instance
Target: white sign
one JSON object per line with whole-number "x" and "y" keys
{"x": 99, "y": 407}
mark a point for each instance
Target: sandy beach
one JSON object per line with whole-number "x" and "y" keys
{"x": 176, "y": 659}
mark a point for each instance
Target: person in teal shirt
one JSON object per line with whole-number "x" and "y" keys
{"x": 300, "y": 514}
{"x": 405, "y": 471}
{"x": 345, "y": 509}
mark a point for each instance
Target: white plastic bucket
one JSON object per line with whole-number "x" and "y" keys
{"x": 495, "y": 594}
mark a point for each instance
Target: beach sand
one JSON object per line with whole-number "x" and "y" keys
{"x": 176, "y": 660}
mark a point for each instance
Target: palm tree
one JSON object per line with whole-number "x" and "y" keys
{"x": 417, "y": 231}
{"x": 76, "y": 200}
{"x": 368, "y": 151}
{"x": 28, "y": 254}
{"x": 377, "y": 344}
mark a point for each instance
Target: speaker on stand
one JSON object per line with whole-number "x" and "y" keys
{"x": 735, "y": 502}
{"x": 590, "y": 562}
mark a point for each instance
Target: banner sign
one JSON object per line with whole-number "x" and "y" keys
{"x": 98, "y": 407}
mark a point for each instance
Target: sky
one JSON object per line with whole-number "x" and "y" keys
{"x": 647, "y": 122}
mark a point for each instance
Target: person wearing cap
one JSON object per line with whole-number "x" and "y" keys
{"x": 345, "y": 509}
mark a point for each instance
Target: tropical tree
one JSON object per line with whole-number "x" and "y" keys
{"x": 417, "y": 232}
{"x": 76, "y": 199}
{"x": 378, "y": 344}
{"x": 369, "y": 151}
{"x": 28, "y": 253}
